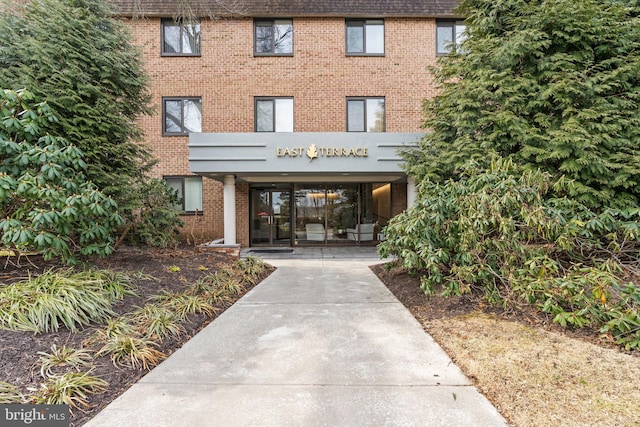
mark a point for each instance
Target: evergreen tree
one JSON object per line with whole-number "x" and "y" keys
{"x": 551, "y": 84}
{"x": 76, "y": 57}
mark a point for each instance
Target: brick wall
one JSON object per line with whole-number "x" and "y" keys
{"x": 242, "y": 213}
{"x": 398, "y": 198}
{"x": 319, "y": 76}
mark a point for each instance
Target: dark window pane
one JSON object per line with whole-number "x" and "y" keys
{"x": 182, "y": 116}
{"x": 171, "y": 38}
{"x": 264, "y": 116}
{"x": 173, "y": 116}
{"x": 191, "y": 38}
{"x": 355, "y": 39}
{"x": 180, "y": 38}
{"x": 283, "y": 35}
{"x": 274, "y": 36}
{"x": 264, "y": 39}
{"x": 355, "y": 116}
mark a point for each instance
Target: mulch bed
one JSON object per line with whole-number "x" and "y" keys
{"x": 406, "y": 287}
{"x": 19, "y": 353}
{"x": 20, "y": 350}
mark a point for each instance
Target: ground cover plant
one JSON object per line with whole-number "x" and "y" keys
{"x": 129, "y": 311}
{"x": 61, "y": 298}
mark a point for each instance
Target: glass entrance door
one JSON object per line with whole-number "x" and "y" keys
{"x": 270, "y": 217}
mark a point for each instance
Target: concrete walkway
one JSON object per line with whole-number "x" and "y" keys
{"x": 321, "y": 342}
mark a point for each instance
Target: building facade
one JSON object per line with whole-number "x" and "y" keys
{"x": 279, "y": 122}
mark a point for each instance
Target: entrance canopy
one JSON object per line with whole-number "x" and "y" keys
{"x": 314, "y": 157}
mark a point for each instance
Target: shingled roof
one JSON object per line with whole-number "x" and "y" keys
{"x": 286, "y": 8}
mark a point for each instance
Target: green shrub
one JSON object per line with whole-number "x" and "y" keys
{"x": 46, "y": 202}
{"x": 154, "y": 220}
{"x": 553, "y": 85}
{"x": 472, "y": 233}
{"x": 498, "y": 232}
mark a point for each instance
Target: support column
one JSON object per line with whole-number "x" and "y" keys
{"x": 412, "y": 192}
{"x": 229, "y": 205}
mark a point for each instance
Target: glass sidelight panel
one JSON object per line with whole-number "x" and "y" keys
{"x": 310, "y": 202}
{"x": 281, "y": 217}
{"x": 342, "y": 211}
{"x": 324, "y": 213}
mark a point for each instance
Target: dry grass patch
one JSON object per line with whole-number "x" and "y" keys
{"x": 541, "y": 378}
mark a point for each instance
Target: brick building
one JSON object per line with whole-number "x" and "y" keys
{"x": 279, "y": 121}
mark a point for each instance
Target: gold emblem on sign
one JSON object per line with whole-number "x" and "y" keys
{"x": 312, "y": 152}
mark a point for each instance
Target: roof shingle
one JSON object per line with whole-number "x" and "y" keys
{"x": 287, "y": 8}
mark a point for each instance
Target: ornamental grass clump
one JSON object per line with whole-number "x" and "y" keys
{"x": 61, "y": 298}
{"x": 72, "y": 388}
{"x": 157, "y": 321}
{"x": 229, "y": 279}
{"x": 131, "y": 350}
{"x": 62, "y": 358}
{"x": 251, "y": 268}
{"x": 10, "y": 394}
{"x": 184, "y": 304}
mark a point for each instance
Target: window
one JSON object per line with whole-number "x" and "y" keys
{"x": 181, "y": 115}
{"x": 273, "y": 37}
{"x": 365, "y": 37}
{"x": 179, "y": 38}
{"x": 274, "y": 115}
{"x": 365, "y": 115}
{"x": 449, "y": 36}
{"x": 189, "y": 190}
